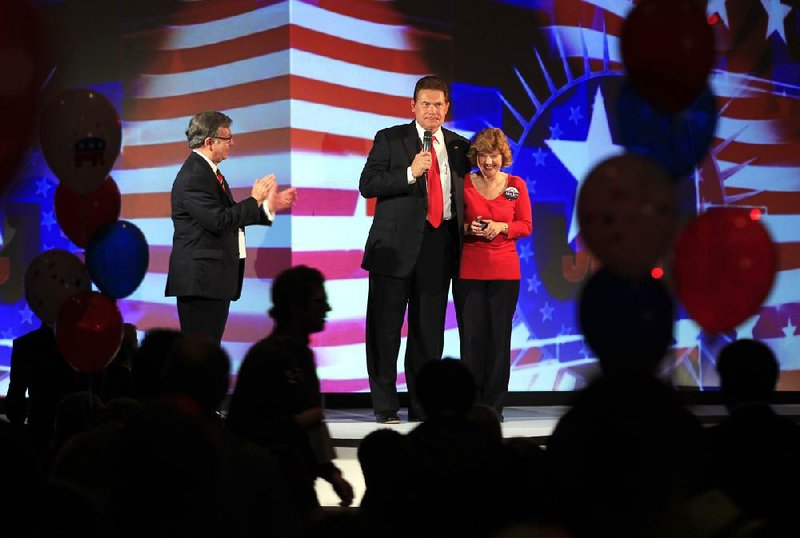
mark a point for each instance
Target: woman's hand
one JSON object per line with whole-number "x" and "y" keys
{"x": 488, "y": 229}
{"x": 476, "y": 227}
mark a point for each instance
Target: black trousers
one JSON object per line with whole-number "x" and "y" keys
{"x": 424, "y": 292}
{"x": 203, "y": 316}
{"x": 484, "y": 309}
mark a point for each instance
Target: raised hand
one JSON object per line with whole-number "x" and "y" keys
{"x": 282, "y": 200}
{"x": 263, "y": 188}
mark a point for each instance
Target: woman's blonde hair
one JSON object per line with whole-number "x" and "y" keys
{"x": 488, "y": 141}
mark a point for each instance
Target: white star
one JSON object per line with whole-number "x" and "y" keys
{"x": 27, "y": 315}
{"x": 531, "y": 186}
{"x": 789, "y": 329}
{"x": 8, "y": 334}
{"x": 579, "y": 157}
{"x": 555, "y": 132}
{"x": 534, "y": 283}
{"x": 547, "y": 312}
{"x": 718, "y": 7}
{"x": 776, "y": 13}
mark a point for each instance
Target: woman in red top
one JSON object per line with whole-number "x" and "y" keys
{"x": 497, "y": 213}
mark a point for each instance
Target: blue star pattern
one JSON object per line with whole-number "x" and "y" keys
{"x": 49, "y": 220}
{"x": 534, "y": 283}
{"x": 43, "y": 187}
{"x": 553, "y": 268}
{"x": 29, "y": 214}
{"x": 547, "y": 312}
{"x": 26, "y": 314}
{"x": 575, "y": 115}
{"x": 524, "y": 251}
{"x": 539, "y": 156}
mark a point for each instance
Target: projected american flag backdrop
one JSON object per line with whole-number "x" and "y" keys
{"x": 309, "y": 83}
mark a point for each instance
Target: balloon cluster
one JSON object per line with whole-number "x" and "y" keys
{"x": 80, "y": 135}
{"x": 723, "y": 262}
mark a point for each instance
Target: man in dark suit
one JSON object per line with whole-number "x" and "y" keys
{"x": 39, "y": 368}
{"x": 414, "y": 244}
{"x": 206, "y": 266}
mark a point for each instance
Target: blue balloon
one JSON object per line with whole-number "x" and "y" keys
{"x": 679, "y": 141}
{"x": 117, "y": 258}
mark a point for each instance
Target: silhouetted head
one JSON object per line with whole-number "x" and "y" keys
{"x": 445, "y": 387}
{"x": 200, "y": 369}
{"x": 487, "y": 418}
{"x": 748, "y": 371}
{"x": 299, "y": 299}
{"x": 380, "y": 454}
{"x": 147, "y": 366}
{"x": 628, "y": 324}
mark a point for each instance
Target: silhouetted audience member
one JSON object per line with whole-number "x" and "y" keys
{"x": 167, "y": 474}
{"x": 277, "y": 399}
{"x": 264, "y": 493}
{"x": 200, "y": 369}
{"x": 384, "y": 463}
{"x": 21, "y": 476}
{"x": 525, "y": 488}
{"x": 65, "y": 510}
{"x": 453, "y": 460}
{"x": 147, "y": 364}
{"x": 115, "y": 379}
{"x": 488, "y": 418}
{"x": 755, "y": 450}
{"x": 85, "y": 459}
{"x": 627, "y": 446}
{"x": 76, "y": 413}
{"x": 446, "y": 388}
{"x": 38, "y": 367}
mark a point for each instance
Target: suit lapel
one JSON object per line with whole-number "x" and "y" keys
{"x": 226, "y": 192}
{"x": 411, "y": 142}
{"x": 412, "y": 146}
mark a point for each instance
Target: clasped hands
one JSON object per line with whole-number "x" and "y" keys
{"x": 488, "y": 229}
{"x": 265, "y": 189}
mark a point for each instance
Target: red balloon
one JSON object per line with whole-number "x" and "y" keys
{"x": 724, "y": 267}
{"x": 668, "y": 51}
{"x": 627, "y": 214}
{"x": 89, "y": 331}
{"x": 80, "y": 215}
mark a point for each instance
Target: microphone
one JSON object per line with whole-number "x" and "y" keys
{"x": 427, "y": 140}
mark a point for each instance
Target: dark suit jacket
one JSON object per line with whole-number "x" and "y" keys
{"x": 38, "y": 366}
{"x": 277, "y": 380}
{"x": 396, "y": 234}
{"x": 205, "y": 245}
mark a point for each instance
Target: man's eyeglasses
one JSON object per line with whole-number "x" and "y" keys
{"x": 225, "y": 138}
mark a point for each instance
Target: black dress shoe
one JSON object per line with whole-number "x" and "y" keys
{"x": 387, "y": 418}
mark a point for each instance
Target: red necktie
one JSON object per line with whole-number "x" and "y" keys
{"x": 435, "y": 201}
{"x": 221, "y": 179}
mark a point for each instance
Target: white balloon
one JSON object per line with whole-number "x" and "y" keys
{"x": 53, "y": 277}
